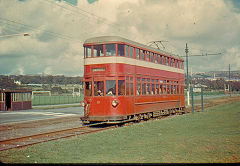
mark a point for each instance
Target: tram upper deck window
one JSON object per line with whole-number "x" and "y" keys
{"x": 147, "y": 55}
{"x": 164, "y": 59}
{"x": 151, "y": 57}
{"x": 88, "y": 51}
{"x": 110, "y": 50}
{"x": 110, "y": 88}
{"x": 126, "y": 51}
{"x": 98, "y": 88}
{"x": 156, "y": 58}
{"x": 142, "y": 52}
{"x": 98, "y": 50}
{"x": 137, "y": 53}
{"x": 88, "y": 88}
{"x": 120, "y": 50}
{"x": 131, "y": 52}
{"x": 167, "y": 61}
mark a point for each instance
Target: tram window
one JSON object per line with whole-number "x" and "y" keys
{"x": 131, "y": 52}
{"x": 98, "y": 50}
{"x": 170, "y": 59}
{"x": 110, "y": 50}
{"x": 160, "y": 59}
{"x": 142, "y": 52}
{"x": 160, "y": 89}
{"x": 152, "y": 57}
{"x": 164, "y": 89}
{"x": 126, "y": 51}
{"x": 157, "y": 89}
{"x": 172, "y": 90}
{"x": 164, "y": 59}
{"x": 120, "y": 50}
{"x": 156, "y": 58}
{"x": 174, "y": 63}
{"x": 121, "y": 87}
{"x": 148, "y": 89}
{"x": 131, "y": 78}
{"x": 131, "y": 88}
{"x": 147, "y": 55}
{"x": 168, "y": 89}
{"x": 110, "y": 88}
{"x": 138, "y": 88}
{"x": 144, "y": 89}
{"x": 137, "y": 53}
{"x": 88, "y": 89}
{"x": 127, "y": 89}
{"x": 88, "y": 51}
{"x": 153, "y": 89}
{"x": 98, "y": 88}
{"x": 138, "y": 79}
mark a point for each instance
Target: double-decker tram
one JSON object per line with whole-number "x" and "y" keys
{"x": 125, "y": 80}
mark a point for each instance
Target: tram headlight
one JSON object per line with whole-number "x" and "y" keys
{"x": 82, "y": 103}
{"x": 115, "y": 102}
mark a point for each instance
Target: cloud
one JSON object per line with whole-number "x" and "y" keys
{"x": 58, "y": 30}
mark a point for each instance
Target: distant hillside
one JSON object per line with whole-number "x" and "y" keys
{"x": 217, "y": 74}
{"x": 40, "y": 79}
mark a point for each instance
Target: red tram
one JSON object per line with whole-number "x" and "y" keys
{"x": 125, "y": 80}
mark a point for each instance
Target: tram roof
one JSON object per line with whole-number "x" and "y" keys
{"x": 110, "y": 39}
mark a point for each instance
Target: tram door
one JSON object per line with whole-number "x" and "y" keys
{"x": 8, "y": 101}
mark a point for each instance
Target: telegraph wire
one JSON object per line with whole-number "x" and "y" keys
{"x": 88, "y": 14}
{"x": 49, "y": 32}
{"x": 84, "y": 11}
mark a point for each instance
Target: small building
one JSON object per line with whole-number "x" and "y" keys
{"x": 11, "y": 100}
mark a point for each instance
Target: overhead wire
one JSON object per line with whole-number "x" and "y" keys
{"x": 47, "y": 31}
{"x": 88, "y": 14}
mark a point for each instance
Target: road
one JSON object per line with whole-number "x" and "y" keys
{"x": 7, "y": 117}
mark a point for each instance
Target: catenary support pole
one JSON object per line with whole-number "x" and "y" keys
{"x": 192, "y": 99}
{"x": 202, "y": 98}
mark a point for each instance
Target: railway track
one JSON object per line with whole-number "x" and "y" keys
{"x": 24, "y": 141}
{"x": 50, "y": 136}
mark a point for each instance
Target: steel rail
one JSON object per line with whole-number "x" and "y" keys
{"x": 49, "y": 136}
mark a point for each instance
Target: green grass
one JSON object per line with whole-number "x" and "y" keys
{"x": 53, "y": 100}
{"x": 212, "y": 136}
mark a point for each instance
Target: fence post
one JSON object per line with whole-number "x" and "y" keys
{"x": 202, "y": 98}
{"x": 192, "y": 99}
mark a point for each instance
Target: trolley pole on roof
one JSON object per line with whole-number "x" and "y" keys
{"x": 186, "y": 50}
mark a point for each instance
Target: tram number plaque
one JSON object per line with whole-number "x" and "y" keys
{"x": 99, "y": 69}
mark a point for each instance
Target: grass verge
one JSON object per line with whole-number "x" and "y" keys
{"x": 212, "y": 136}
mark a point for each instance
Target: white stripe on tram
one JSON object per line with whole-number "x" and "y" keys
{"x": 130, "y": 61}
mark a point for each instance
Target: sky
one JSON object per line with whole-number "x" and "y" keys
{"x": 58, "y": 28}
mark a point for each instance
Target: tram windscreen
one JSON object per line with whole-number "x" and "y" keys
{"x": 110, "y": 88}
{"x": 98, "y": 88}
{"x": 88, "y": 89}
{"x": 110, "y": 49}
{"x": 98, "y": 50}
